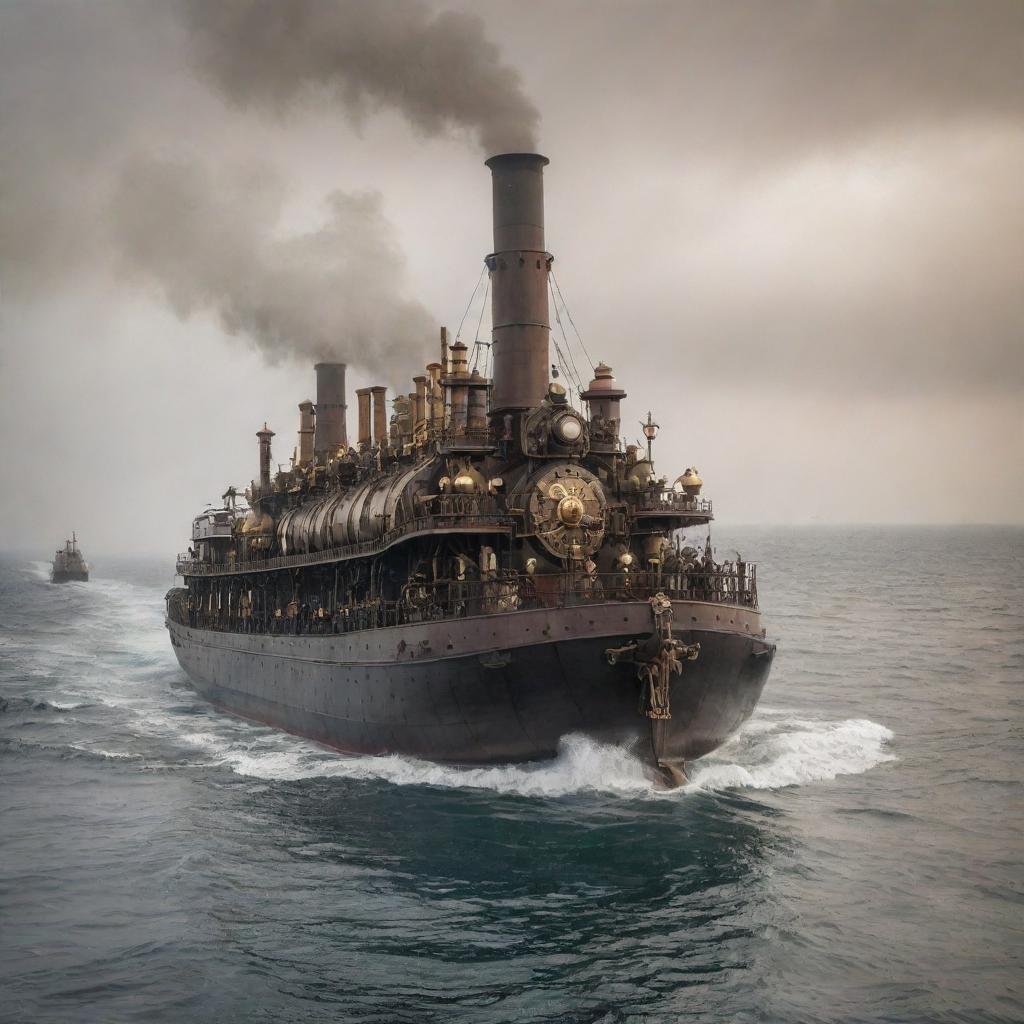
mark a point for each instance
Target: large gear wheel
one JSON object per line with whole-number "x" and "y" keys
{"x": 567, "y": 508}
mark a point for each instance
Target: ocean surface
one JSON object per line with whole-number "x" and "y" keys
{"x": 854, "y": 854}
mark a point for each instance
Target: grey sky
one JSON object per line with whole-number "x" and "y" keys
{"x": 796, "y": 230}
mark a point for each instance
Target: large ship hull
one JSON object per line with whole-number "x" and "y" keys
{"x": 488, "y": 689}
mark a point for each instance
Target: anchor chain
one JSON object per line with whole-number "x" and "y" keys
{"x": 657, "y": 659}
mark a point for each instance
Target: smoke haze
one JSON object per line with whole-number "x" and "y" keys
{"x": 794, "y": 228}
{"x": 81, "y": 193}
{"x": 205, "y": 243}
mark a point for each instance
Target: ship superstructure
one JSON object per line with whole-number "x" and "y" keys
{"x": 487, "y": 569}
{"x": 68, "y": 563}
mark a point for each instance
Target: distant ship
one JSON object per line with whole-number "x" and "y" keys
{"x": 68, "y": 563}
{"x": 491, "y": 570}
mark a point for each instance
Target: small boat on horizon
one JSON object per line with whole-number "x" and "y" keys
{"x": 68, "y": 564}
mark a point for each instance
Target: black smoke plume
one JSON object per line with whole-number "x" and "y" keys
{"x": 88, "y": 91}
{"x": 438, "y": 69}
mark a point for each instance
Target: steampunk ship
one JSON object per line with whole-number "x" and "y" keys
{"x": 68, "y": 563}
{"x": 488, "y": 569}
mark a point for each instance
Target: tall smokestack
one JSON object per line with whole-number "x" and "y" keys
{"x": 330, "y": 409}
{"x": 306, "y": 431}
{"x": 380, "y": 415}
{"x": 264, "y": 436}
{"x": 519, "y": 282}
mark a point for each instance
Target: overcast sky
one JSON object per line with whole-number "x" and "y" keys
{"x": 795, "y": 229}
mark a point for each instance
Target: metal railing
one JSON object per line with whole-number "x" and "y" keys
{"x": 454, "y": 599}
{"x": 671, "y": 501}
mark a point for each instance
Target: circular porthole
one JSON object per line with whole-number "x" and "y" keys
{"x": 568, "y": 429}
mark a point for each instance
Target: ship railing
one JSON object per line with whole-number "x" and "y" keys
{"x": 672, "y": 501}
{"x": 510, "y": 592}
{"x": 446, "y": 519}
{"x": 439, "y": 600}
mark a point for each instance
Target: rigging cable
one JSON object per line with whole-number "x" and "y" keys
{"x": 573, "y": 322}
{"x": 570, "y": 367}
{"x": 478, "y": 344}
{"x": 469, "y": 304}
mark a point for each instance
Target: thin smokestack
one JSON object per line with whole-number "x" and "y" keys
{"x": 380, "y": 415}
{"x": 435, "y": 397}
{"x": 330, "y": 410}
{"x": 264, "y": 437}
{"x": 363, "y": 402}
{"x": 421, "y": 399}
{"x": 519, "y": 282}
{"x": 306, "y": 432}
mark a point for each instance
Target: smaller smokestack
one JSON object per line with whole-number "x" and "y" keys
{"x": 306, "y": 432}
{"x": 435, "y": 397}
{"x": 380, "y": 416}
{"x": 476, "y": 415}
{"x": 421, "y": 401}
{"x": 330, "y": 410}
{"x": 457, "y": 381}
{"x": 603, "y": 397}
{"x": 402, "y": 421}
{"x": 363, "y": 403}
{"x": 264, "y": 436}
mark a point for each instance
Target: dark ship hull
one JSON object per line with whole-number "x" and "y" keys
{"x": 69, "y": 576}
{"x": 488, "y": 689}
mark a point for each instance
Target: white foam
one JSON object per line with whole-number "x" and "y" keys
{"x": 766, "y": 754}
{"x": 107, "y": 755}
{"x": 793, "y": 751}
{"x": 581, "y": 765}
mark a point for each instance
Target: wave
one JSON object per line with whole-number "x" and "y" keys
{"x": 16, "y": 703}
{"x": 792, "y": 752}
{"x": 766, "y": 754}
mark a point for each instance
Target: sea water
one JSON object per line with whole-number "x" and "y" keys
{"x": 853, "y": 854}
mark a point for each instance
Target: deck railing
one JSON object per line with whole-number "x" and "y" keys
{"x": 455, "y": 599}
{"x": 671, "y": 501}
